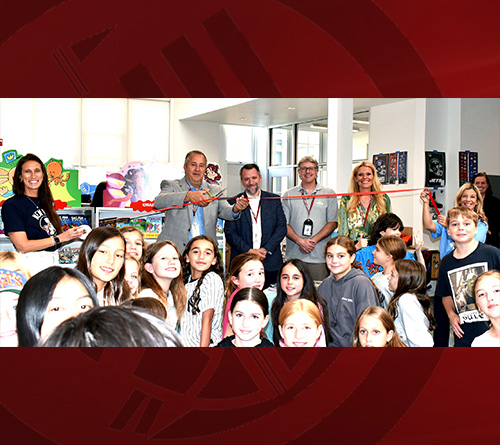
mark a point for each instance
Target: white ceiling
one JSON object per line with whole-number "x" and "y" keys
{"x": 272, "y": 112}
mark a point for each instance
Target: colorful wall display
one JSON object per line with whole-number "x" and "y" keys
{"x": 130, "y": 184}
{"x": 467, "y": 166}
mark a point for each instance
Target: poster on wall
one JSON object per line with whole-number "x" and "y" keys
{"x": 435, "y": 169}
{"x": 467, "y": 166}
{"x": 393, "y": 168}
{"x": 381, "y": 163}
{"x": 63, "y": 183}
{"x": 403, "y": 167}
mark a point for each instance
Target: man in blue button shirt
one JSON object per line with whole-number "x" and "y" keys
{"x": 184, "y": 223}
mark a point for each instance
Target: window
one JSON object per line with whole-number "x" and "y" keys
{"x": 148, "y": 137}
{"x": 57, "y": 129}
{"x": 104, "y": 128}
{"x": 239, "y": 143}
{"x": 103, "y": 134}
{"x": 282, "y": 142}
{"x": 291, "y": 143}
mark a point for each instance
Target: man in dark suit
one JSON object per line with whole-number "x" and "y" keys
{"x": 261, "y": 227}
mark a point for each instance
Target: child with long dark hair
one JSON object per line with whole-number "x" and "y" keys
{"x": 249, "y": 315}
{"x": 410, "y": 306}
{"x": 295, "y": 282}
{"x": 201, "y": 323}
{"x": 102, "y": 259}
{"x": 50, "y": 297}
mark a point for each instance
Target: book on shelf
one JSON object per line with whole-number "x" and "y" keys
{"x": 79, "y": 220}
{"x": 153, "y": 227}
{"x": 122, "y": 222}
{"x": 70, "y": 221}
{"x": 65, "y": 222}
{"x": 111, "y": 222}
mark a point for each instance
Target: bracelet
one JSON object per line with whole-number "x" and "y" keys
{"x": 56, "y": 240}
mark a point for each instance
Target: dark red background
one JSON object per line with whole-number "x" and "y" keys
{"x": 262, "y": 48}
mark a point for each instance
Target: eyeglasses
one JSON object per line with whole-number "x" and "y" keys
{"x": 307, "y": 169}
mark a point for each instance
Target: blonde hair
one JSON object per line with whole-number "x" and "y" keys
{"x": 478, "y": 208}
{"x": 129, "y": 257}
{"x": 300, "y": 305}
{"x": 387, "y": 322}
{"x": 16, "y": 258}
{"x": 376, "y": 187}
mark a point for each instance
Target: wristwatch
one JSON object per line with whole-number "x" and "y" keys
{"x": 57, "y": 240}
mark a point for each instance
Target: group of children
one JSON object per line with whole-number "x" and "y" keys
{"x": 376, "y": 296}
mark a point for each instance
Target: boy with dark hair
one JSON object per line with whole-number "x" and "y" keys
{"x": 386, "y": 224}
{"x": 458, "y": 272}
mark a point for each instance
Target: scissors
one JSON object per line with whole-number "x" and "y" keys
{"x": 217, "y": 195}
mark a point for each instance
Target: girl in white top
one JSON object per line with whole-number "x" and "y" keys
{"x": 410, "y": 306}
{"x": 389, "y": 249}
{"x": 201, "y": 323}
{"x": 487, "y": 295}
{"x": 161, "y": 278}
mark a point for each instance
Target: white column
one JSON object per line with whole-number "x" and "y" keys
{"x": 339, "y": 151}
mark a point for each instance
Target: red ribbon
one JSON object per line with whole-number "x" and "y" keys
{"x": 433, "y": 202}
{"x": 158, "y": 211}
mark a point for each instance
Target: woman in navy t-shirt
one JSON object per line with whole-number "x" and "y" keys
{"x": 29, "y": 217}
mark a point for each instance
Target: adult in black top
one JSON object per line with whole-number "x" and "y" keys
{"x": 29, "y": 217}
{"x": 491, "y": 208}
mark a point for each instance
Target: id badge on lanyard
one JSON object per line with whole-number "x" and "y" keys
{"x": 307, "y": 227}
{"x": 195, "y": 229}
{"x": 195, "y": 226}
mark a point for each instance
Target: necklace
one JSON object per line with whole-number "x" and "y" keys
{"x": 33, "y": 202}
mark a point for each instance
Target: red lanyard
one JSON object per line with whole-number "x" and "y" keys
{"x": 367, "y": 211}
{"x": 305, "y": 203}
{"x": 255, "y": 216}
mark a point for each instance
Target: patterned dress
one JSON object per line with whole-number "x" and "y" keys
{"x": 353, "y": 225}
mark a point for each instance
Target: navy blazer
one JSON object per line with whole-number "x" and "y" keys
{"x": 273, "y": 224}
